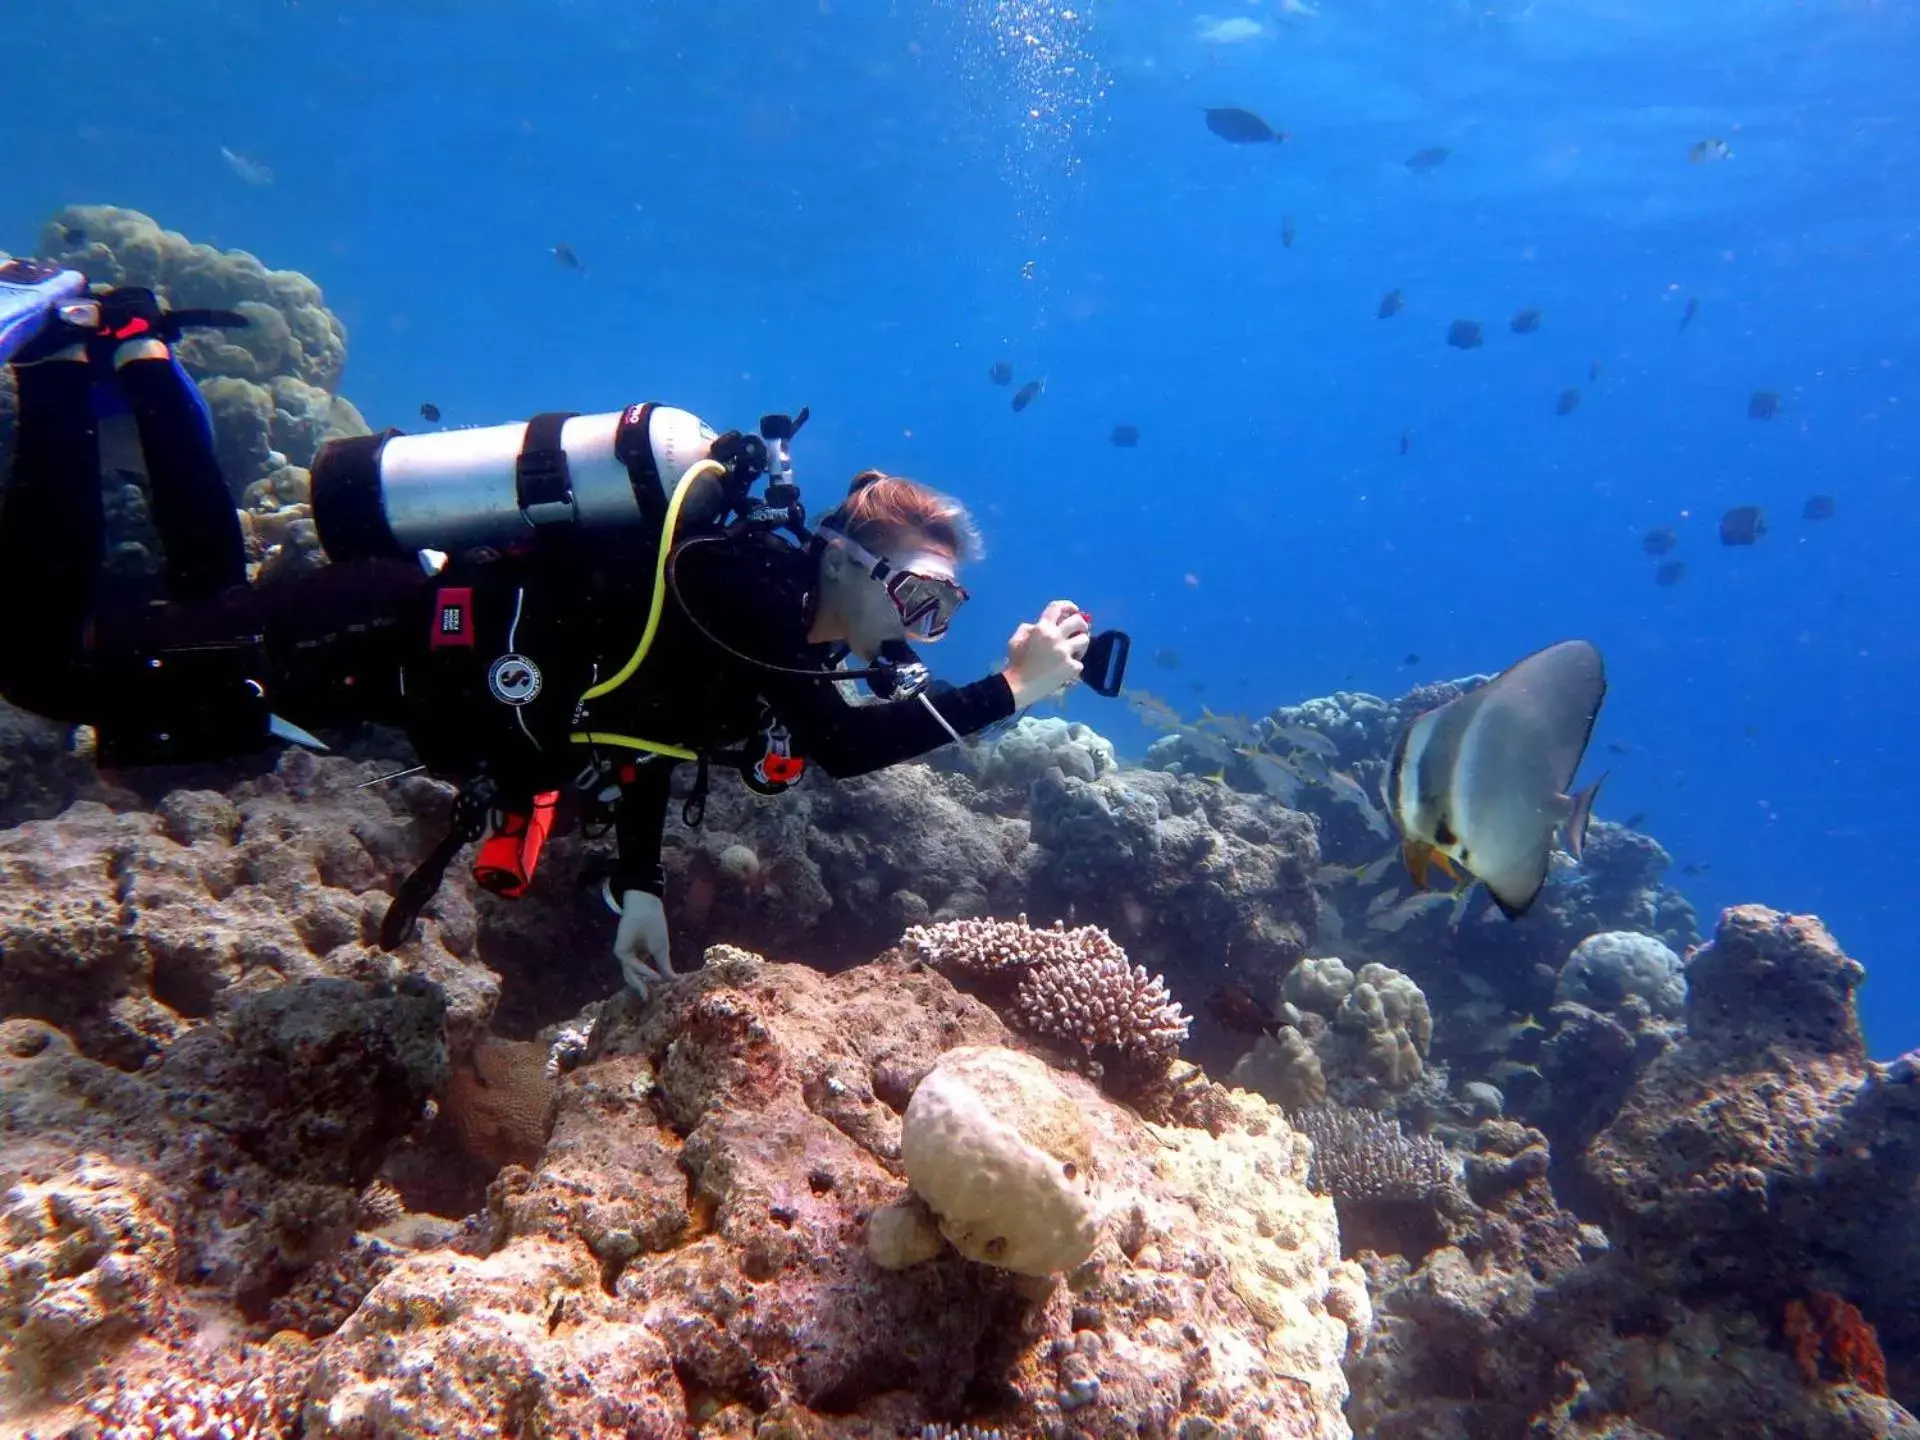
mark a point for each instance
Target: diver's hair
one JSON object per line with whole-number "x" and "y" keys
{"x": 884, "y": 511}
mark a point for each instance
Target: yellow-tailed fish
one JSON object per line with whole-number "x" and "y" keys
{"x": 1397, "y": 916}
{"x": 1300, "y": 737}
{"x": 1152, "y": 710}
{"x": 1349, "y": 791}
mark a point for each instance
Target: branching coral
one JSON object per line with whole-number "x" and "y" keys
{"x": 1075, "y": 987}
{"x": 1361, "y": 1155}
{"x": 1826, "y": 1327}
{"x": 186, "y": 1407}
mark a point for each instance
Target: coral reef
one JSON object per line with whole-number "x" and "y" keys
{"x": 1757, "y": 1163}
{"x": 1360, "y": 1037}
{"x": 688, "y": 1249}
{"x": 692, "y": 1246}
{"x": 125, "y": 926}
{"x": 228, "y": 1165}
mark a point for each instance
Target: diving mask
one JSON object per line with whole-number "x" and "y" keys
{"x": 925, "y": 599}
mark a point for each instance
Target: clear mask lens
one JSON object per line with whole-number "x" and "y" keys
{"x": 926, "y": 603}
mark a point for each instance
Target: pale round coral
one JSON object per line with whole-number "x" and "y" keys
{"x": 739, "y": 864}
{"x": 902, "y": 1234}
{"x": 1003, "y": 1157}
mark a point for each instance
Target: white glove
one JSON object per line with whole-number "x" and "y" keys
{"x": 1044, "y": 658}
{"x": 640, "y": 944}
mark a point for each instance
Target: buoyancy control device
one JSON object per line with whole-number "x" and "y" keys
{"x": 636, "y": 480}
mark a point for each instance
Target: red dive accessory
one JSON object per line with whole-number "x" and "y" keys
{"x": 511, "y": 853}
{"x": 777, "y": 767}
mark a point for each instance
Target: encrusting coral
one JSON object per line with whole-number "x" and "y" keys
{"x": 1826, "y": 1328}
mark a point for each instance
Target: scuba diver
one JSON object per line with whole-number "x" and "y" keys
{"x": 559, "y": 612}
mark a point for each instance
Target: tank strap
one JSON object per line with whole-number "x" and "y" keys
{"x": 633, "y": 450}
{"x": 544, "y": 483}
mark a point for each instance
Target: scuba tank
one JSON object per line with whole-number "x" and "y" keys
{"x": 500, "y": 487}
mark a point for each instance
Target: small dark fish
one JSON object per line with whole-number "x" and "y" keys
{"x": 1242, "y": 127}
{"x": 1709, "y": 149}
{"x": 1742, "y": 525}
{"x": 1695, "y": 869}
{"x": 1670, "y": 572}
{"x": 1660, "y": 540}
{"x": 1763, "y": 405}
{"x": 1693, "y": 309}
{"x": 1406, "y": 441}
{"x": 74, "y": 236}
{"x": 1001, "y": 373}
{"x": 1288, "y": 232}
{"x": 1594, "y": 367}
{"x": 1465, "y": 334}
{"x": 1818, "y": 507}
{"x": 1412, "y": 658}
{"x": 565, "y": 257}
{"x": 1568, "y": 402}
{"x": 1167, "y": 658}
{"x": 430, "y": 413}
{"x": 1635, "y": 820}
{"x": 1525, "y": 322}
{"x": 1431, "y": 158}
{"x": 1391, "y": 304}
{"x": 1125, "y": 436}
{"x": 1028, "y": 393}
{"x": 1614, "y": 747}
{"x": 1234, "y": 1007}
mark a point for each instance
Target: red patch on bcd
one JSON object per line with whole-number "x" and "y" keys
{"x": 452, "y": 619}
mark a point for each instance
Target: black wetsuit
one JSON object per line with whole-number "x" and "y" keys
{"x": 485, "y": 665}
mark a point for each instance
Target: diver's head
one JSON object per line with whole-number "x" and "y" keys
{"x": 890, "y": 556}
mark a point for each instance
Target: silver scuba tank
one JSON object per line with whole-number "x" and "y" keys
{"x": 500, "y": 487}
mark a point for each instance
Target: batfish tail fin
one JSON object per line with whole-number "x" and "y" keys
{"x": 1580, "y": 817}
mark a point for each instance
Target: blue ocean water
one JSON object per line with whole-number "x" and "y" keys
{"x": 862, "y": 206}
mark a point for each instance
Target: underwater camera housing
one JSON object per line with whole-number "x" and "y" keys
{"x": 507, "y": 487}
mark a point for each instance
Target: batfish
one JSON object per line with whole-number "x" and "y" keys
{"x": 1482, "y": 781}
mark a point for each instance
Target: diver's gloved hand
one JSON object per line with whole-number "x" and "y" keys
{"x": 641, "y": 944}
{"x": 1044, "y": 658}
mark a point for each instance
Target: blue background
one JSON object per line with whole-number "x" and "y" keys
{"x": 831, "y": 204}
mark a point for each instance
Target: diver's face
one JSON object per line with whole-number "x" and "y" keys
{"x": 855, "y": 608}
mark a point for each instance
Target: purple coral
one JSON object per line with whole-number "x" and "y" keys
{"x": 1075, "y": 987}
{"x": 1100, "y": 1002}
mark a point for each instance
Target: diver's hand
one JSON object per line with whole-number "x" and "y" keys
{"x": 1044, "y": 658}
{"x": 640, "y": 944}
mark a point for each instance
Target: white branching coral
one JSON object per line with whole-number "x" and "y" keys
{"x": 183, "y": 1407}
{"x": 1075, "y": 987}
{"x": 985, "y": 948}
